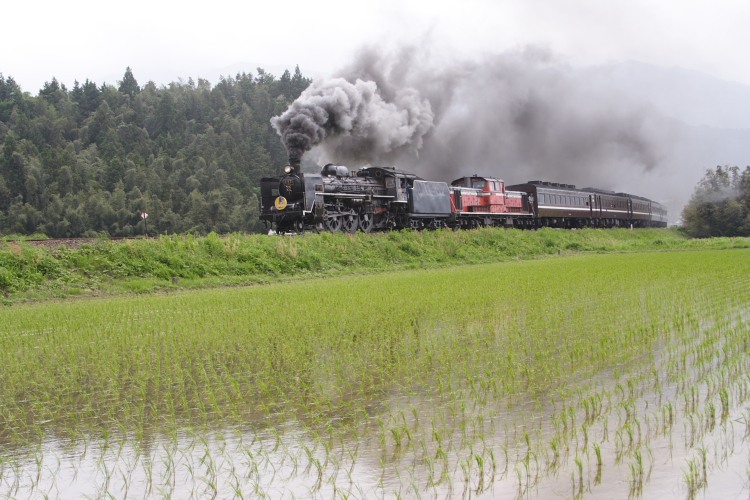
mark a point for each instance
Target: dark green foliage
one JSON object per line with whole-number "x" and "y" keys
{"x": 87, "y": 161}
{"x": 720, "y": 205}
{"x": 129, "y": 85}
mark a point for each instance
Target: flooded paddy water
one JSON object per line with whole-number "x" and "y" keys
{"x": 602, "y": 376}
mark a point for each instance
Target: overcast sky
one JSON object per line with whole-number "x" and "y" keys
{"x": 165, "y": 40}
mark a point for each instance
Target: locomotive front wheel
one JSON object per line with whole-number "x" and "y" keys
{"x": 351, "y": 223}
{"x": 365, "y": 223}
{"x": 333, "y": 223}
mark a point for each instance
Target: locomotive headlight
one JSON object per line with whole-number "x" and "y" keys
{"x": 289, "y": 169}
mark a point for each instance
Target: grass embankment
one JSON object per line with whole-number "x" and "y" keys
{"x": 464, "y": 376}
{"x": 27, "y": 272}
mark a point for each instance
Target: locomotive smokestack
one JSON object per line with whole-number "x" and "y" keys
{"x": 294, "y": 162}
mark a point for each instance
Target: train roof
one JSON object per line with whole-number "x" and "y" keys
{"x": 572, "y": 187}
{"x": 552, "y": 184}
{"x": 371, "y": 171}
{"x": 476, "y": 176}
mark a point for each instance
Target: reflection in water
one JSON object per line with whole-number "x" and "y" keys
{"x": 668, "y": 425}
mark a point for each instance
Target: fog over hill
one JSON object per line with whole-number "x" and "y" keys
{"x": 687, "y": 95}
{"x": 706, "y": 121}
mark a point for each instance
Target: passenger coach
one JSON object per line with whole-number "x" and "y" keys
{"x": 563, "y": 205}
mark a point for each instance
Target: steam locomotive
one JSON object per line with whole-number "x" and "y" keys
{"x": 381, "y": 198}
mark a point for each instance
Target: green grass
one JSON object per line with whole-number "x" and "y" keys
{"x": 28, "y": 273}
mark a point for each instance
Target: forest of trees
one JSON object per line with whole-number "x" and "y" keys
{"x": 720, "y": 205}
{"x": 88, "y": 161}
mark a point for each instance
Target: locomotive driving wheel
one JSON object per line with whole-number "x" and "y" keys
{"x": 351, "y": 223}
{"x": 366, "y": 222}
{"x": 332, "y": 223}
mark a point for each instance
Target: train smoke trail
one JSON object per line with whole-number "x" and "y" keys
{"x": 354, "y": 122}
{"x": 522, "y": 113}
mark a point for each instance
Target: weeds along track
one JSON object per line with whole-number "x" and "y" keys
{"x": 592, "y": 376}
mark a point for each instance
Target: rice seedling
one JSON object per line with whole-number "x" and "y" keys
{"x": 422, "y": 383}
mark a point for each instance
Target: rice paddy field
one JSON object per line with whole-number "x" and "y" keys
{"x": 585, "y": 376}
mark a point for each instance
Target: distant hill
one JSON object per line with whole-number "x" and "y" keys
{"x": 706, "y": 122}
{"x": 687, "y": 95}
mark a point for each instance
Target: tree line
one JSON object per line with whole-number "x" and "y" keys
{"x": 720, "y": 205}
{"x": 89, "y": 160}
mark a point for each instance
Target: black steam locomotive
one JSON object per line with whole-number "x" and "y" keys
{"x": 378, "y": 198}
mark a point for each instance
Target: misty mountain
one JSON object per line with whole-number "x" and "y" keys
{"x": 705, "y": 123}
{"x": 687, "y": 95}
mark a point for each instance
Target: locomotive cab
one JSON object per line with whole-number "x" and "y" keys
{"x": 478, "y": 194}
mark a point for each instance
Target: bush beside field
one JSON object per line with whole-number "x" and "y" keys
{"x": 28, "y": 272}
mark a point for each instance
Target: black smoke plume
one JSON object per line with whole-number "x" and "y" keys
{"x": 354, "y": 122}
{"x": 517, "y": 115}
